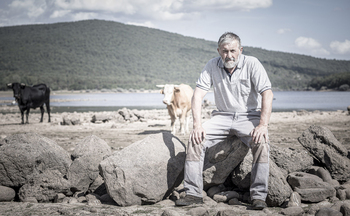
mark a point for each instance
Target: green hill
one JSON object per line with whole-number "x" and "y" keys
{"x": 97, "y": 54}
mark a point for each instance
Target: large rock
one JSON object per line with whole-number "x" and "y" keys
{"x": 279, "y": 189}
{"x": 291, "y": 160}
{"x": 320, "y": 142}
{"x": 311, "y": 188}
{"x": 32, "y": 160}
{"x": 145, "y": 171}
{"x": 221, "y": 159}
{"x": 87, "y": 156}
{"x": 7, "y": 194}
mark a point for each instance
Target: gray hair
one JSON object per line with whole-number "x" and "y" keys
{"x": 228, "y": 37}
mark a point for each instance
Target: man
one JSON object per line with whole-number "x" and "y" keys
{"x": 243, "y": 98}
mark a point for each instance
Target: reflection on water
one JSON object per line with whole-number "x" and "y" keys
{"x": 284, "y": 101}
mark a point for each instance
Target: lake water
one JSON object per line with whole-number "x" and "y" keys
{"x": 283, "y": 101}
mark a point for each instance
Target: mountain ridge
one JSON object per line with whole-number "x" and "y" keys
{"x": 96, "y": 54}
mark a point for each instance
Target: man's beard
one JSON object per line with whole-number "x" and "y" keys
{"x": 231, "y": 62}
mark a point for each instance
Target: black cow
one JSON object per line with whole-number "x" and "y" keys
{"x": 31, "y": 97}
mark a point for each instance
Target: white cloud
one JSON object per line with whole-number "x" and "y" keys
{"x": 59, "y": 13}
{"x": 307, "y": 43}
{"x": 244, "y": 5}
{"x": 311, "y": 45}
{"x": 340, "y": 47}
{"x": 151, "y": 9}
{"x": 33, "y": 8}
{"x": 283, "y": 30}
{"x": 38, "y": 11}
{"x": 84, "y": 16}
{"x": 145, "y": 24}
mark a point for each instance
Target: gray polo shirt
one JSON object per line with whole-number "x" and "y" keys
{"x": 241, "y": 92}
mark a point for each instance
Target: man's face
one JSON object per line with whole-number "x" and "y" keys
{"x": 230, "y": 53}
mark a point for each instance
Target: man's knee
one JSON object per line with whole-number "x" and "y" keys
{"x": 260, "y": 152}
{"x": 194, "y": 151}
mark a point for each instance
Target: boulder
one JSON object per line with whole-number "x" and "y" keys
{"x": 6, "y": 194}
{"x": 70, "y": 120}
{"x": 328, "y": 212}
{"x": 100, "y": 118}
{"x": 311, "y": 188}
{"x": 295, "y": 210}
{"x": 341, "y": 194}
{"x": 32, "y": 161}
{"x": 294, "y": 200}
{"x": 215, "y": 190}
{"x": 225, "y": 196}
{"x": 241, "y": 174}
{"x": 291, "y": 160}
{"x": 128, "y": 115}
{"x": 87, "y": 155}
{"x": 324, "y": 175}
{"x": 279, "y": 189}
{"x": 316, "y": 207}
{"x": 146, "y": 171}
{"x": 321, "y": 143}
{"x": 345, "y": 209}
{"x": 221, "y": 159}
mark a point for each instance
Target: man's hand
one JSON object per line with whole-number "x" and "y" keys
{"x": 259, "y": 134}
{"x": 197, "y": 135}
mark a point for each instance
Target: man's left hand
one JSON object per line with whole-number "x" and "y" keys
{"x": 259, "y": 134}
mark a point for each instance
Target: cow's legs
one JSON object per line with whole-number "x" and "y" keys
{"x": 187, "y": 122}
{"x": 42, "y": 113}
{"x": 48, "y": 109}
{"x": 27, "y": 114}
{"x": 183, "y": 120}
{"x": 22, "y": 115}
{"x": 173, "y": 130}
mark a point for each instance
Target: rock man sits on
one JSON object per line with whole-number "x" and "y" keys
{"x": 243, "y": 97}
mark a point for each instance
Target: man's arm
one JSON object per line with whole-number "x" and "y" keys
{"x": 260, "y": 132}
{"x": 198, "y": 133}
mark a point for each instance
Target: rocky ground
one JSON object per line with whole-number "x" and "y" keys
{"x": 284, "y": 129}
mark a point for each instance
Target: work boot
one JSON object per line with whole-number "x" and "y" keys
{"x": 189, "y": 200}
{"x": 259, "y": 204}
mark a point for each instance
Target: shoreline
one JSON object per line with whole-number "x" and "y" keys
{"x": 9, "y": 93}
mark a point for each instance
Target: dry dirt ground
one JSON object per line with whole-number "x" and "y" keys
{"x": 284, "y": 129}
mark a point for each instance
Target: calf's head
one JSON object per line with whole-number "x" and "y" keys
{"x": 16, "y": 87}
{"x": 168, "y": 91}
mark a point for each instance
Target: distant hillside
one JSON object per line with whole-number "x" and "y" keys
{"x": 97, "y": 54}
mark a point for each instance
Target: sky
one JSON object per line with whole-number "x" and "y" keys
{"x": 319, "y": 28}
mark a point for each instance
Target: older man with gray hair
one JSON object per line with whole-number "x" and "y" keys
{"x": 243, "y": 97}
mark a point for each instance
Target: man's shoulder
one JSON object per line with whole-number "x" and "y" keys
{"x": 213, "y": 63}
{"x": 249, "y": 59}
